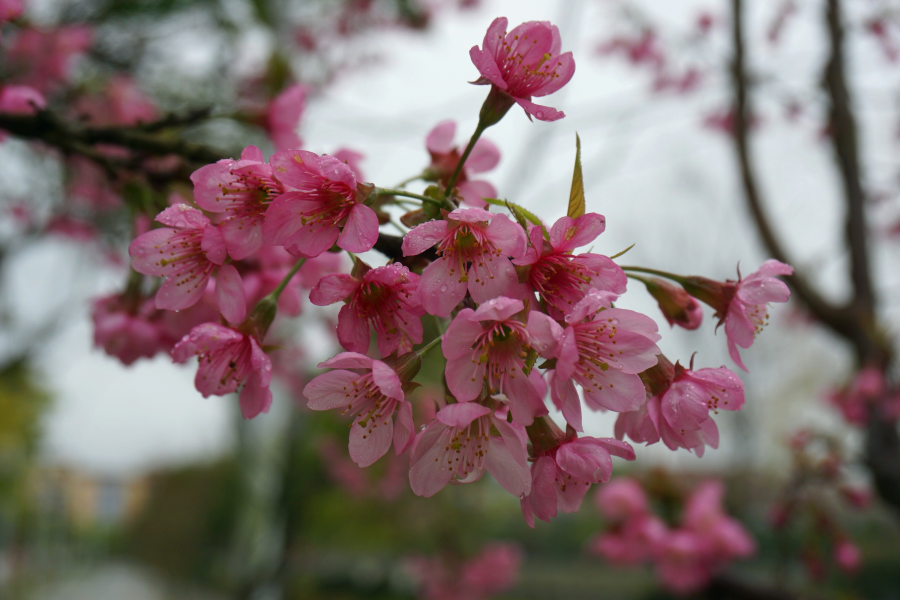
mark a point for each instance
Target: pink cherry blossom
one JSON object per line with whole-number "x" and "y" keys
{"x": 724, "y": 537}
{"x": 10, "y": 9}
{"x": 186, "y": 253}
{"x": 21, "y": 100}
{"x": 352, "y": 159}
{"x": 121, "y": 103}
{"x": 561, "y": 278}
{"x": 89, "y": 185}
{"x": 445, "y": 156}
{"x": 371, "y": 392}
{"x": 679, "y": 412}
{"x": 523, "y": 63}
{"x": 489, "y": 346}
{"x": 458, "y": 445}
{"x": 603, "y": 350}
{"x": 847, "y": 556}
{"x": 283, "y": 117}
{"x": 748, "y": 311}
{"x": 473, "y": 246}
{"x": 681, "y": 563}
{"x": 242, "y": 190}
{"x": 857, "y": 399}
{"x": 622, "y": 498}
{"x": 125, "y": 333}
{"x": 44, "y": 58}
{"x": 564, "y": 474}
{"x": 384, "y": 298}
{"x": 632, "y": 542}
{"x": 491, "y": 572}
{"x": 229, "y": 359}
{"x": 322, "y": 206}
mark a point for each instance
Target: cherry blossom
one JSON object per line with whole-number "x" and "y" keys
{"x": 561, "y": 278}
{"x": 458, "y": 445}
{"x": 523, "y": 63}
{"x": 283, "y": 117}
{"x": 21, "y": 100}
{"x": 444, "y": 157}
{"x": 473, "y": 246}
{"x": 186, "y": 253}
{"x": 384, "y": 298}
{"x": 371, "y": 392}
{"x": 603, "y": 350}
{"x": 562, "y": 475}
{"x": 322, "y": 206}
{"x": 489, "y": 346}
{"x": 229, "y": 359}
{"x": 242, "y": 190}
{"x": 492, "y": 571}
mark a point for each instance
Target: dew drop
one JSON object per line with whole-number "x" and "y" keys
{"x": 443, "y": 289}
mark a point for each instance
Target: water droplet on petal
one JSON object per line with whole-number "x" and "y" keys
{"x": 443, "y": 289}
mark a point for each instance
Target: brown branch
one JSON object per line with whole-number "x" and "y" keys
{"x": 50, "y": 129}
{"x": 824, "y": 311}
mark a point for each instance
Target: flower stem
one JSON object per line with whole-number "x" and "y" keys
{"x": 287, "y": 278}
{"x": 404, "y": 183}
{"x": 462, "y": 160}
{"x": 672, "y": 276}
{"x": 429, "y": 346}
{"x": 391, "y": 192}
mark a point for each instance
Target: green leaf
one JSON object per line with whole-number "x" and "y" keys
{"x": 520, "y": 213}
{"x": 576, "y": 196}
{"x": 623, "y": 251}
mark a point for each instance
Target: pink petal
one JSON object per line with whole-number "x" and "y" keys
{"x": 545, "y": 334}
{"x": 252, "y": 153}
{"x": 330, "y": 390}
{"x": 213, "y": 244}
{"x": 524, "y": 401}
{"x": 145, "y": 251}
{"x": 255, "y": 398}
{"x": 565, "y": 72}
{"x": 502, "y": 462}
{"x": 541, "y": 113}
{"x": 172, "y": 296}
{"x": 616, "y": 447}
{"x": 738, "y": 327}
{"x": 404, "y": 428}
{"x": 347, "y": 360}
{"x": 461, "y": 414}
{"x": 565, "y": 398}
{"x": 440, "y": 288}
{"x": 735, "y": 355}
{"x": 507, "y": 235}
{"x": 496, "y": 32}
{"x": 473, "y": 192}
{"x": 428, "y": 472}
{"x": 621, "y": 393}
{"x": 230, "y": 294}
{"x": 242, "y": 237}
{"x": 543, "y": 488}
{"x": 585, "y": 460}
{"x": 369, "y": 443}
{"x": 484, "y": 157}
{"x": 487, "y": 66}
{"x": 352, "y": 330}
{"x": 465, "y": 377}
{"x": 312, "y": 241}
{"x": 461, "y": 335}
{"x": 283, "y": 218}
{"x": 424, "y": 236}
{"x": 182, "y": 216}
{"x": 471, "y": 215}
{"x": 333, "y": 288}
{"x": 568, "y": 234}
{"x": 387, "y": 380}
{"x": 440, "y": 139}
{"x": 761, "y": 291}
{"x": 361, "y": 231}
{"x": 498, "y": 309}
{"x": 492, "y": 279}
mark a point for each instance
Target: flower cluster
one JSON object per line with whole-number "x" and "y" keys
{"x": 528, "y": 315}
{"x": 685, "y": 557}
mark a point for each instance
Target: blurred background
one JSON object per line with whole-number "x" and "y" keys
{"x": 123, "y": 482}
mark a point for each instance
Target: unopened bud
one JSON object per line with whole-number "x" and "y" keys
{"x": 716, "y": 294}
{"x": 677, "y": 306}
{"x": 495, "y": 107}
{"x": 407, "y": 366}
{"x": 263, "y": 314}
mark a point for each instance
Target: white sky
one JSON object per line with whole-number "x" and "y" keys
{"x": 661, "y": 180}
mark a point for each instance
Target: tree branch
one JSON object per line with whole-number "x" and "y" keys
{"x": 822, "y": 310}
